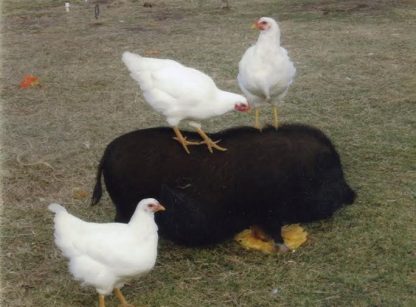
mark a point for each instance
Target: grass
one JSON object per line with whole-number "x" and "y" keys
{"x": 356, "y": 81}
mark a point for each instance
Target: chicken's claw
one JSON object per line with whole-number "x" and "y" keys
{"x": 213, "y": 144}
{"x": 185, "y": 140}
{"x": 275, "y": 117}
{"x": 182, "y": 140}
{"x": 121, "y": 298}
{"x": 208, "y": 141}
{"x": 101, "y": 300}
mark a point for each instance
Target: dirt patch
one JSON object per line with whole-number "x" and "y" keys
{"x": 347, "y": 6}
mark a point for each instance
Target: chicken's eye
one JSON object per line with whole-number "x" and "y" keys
{"x": 151, "y": 205}
{"x": 263, "y": 23}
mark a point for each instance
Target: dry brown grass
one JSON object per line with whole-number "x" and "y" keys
{"x": 356, "y": 80}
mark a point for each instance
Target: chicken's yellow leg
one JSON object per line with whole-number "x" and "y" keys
{"x": 181, "y": 139}
{"x": 101, "y": 302}
{"x": 121, "y": 298}
{"x": 256, "y": 122}
{"x": 275, "y": 115}
{"x": 210, "y": 143}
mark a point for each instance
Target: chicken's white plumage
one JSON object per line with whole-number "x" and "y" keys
{"x": 179, "y": 92}
{"x": 265, "y": 70}
{"x": 106, "y": 255}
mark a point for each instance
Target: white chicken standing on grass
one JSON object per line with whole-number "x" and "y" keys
{"x": 179, "y": 92}
{"x": 265, "y": 70}
{"x": 106, "y": 255}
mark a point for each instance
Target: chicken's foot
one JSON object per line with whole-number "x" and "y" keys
{"x": 208, "y": 141}
{"x": 256, "y": 119}
{"x": 182, "y": 140}
{"x": 276, "y": 117}
{"x": 121, "y": 298}
{"x": 101, "y": 300}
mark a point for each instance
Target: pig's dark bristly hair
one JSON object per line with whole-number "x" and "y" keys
{"x": 269, "y": 178}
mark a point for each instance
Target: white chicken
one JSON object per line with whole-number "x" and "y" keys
{"x": 179, "y": 92}
{"x": 106, "y": 255}
{"x": 265, "y": 70}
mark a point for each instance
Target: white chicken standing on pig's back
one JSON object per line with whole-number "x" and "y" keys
{"x": 106, "y": 255}
{"x": 265, "y": 70}
{"x": 179, "y": 92}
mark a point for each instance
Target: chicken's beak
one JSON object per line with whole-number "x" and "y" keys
{"x": 159, "y": 207}
{"x": 255, "y": 25}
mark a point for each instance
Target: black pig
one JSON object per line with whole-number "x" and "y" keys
{"x": 278, "y": 176}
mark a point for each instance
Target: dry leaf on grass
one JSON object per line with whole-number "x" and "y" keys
{"x": 29, "y": 81}
{"x": 79, "y": 194}
{"x": 151, "y": 52}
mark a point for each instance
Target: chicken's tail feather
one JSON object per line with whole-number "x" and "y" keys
{"x": 56, "y": 208}
{"x": 142, "y": 68}
{"x": 132, "y": 60}
{"x": 139, "y": 68}
{"x": 139, "y": 64}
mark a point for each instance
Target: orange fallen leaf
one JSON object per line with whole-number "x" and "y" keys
{"x": 79, "y": 194}
{"x": 151, "y": 52}
{"x": 29, "y": 81}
